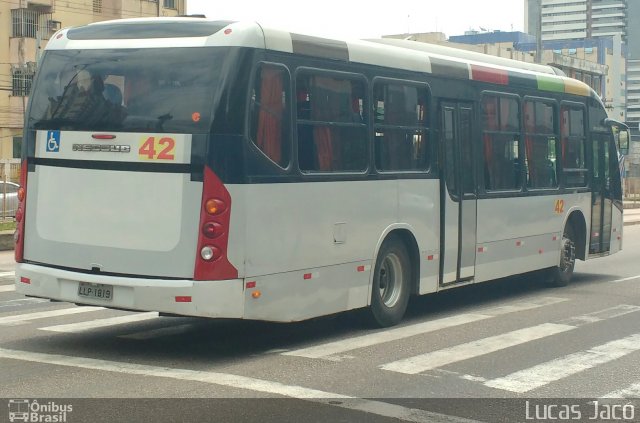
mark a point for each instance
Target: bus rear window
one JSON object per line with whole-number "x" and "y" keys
{"x": 132, "y": 90}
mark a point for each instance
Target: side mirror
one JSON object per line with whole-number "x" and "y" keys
{"x": 623, "y": 141}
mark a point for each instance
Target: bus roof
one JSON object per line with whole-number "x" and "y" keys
{"x": 400, "y": 54}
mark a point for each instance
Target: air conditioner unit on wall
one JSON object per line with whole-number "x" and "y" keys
{"x": 54, "y": 25}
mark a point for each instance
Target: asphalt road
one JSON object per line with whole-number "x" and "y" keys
{"x": 502, "y": 351}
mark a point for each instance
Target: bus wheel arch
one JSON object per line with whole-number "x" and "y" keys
{"x": 579, "y": 225}
{"x": 394, "y": 277}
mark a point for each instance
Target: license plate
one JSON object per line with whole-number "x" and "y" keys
{"x": 96, "y": 291}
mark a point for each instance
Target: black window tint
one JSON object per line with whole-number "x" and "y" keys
{"x": 501, "y": 144}
{"x": 331, "y": 123}
{"x": 129, "y": 90}
{"x": 573, "y": 146}
{"x": 270, "y": 113}
{"x": 540, "y": 144}
{"x": 401, "y": 133}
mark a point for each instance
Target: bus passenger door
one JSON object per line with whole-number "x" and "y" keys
{"x": 602, "y": 199}
{"x": 458, "y": 200}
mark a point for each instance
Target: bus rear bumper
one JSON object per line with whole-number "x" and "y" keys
{"x": 180, "y": 297}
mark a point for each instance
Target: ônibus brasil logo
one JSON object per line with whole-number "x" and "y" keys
{"x": 24, "y": 410}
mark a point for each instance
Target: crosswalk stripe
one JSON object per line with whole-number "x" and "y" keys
{"x": 22, "y": 318}
{"x": 432, "y": 360}
{"x": 630, "y": 278}
{"x": 101, "y": 323}
{"x": 22, "y": 301}
{"x": 542, "y": 374}
{"x": 331, "y": 349}
{"x": 156, "y": 333}
{"x": 240, "y": 382}
{"x": 5, "y": 274}
{"x": 7, "y": 288}
{"x": 632, "y": 391}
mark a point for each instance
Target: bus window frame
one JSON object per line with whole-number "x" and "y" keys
{"x": 255, "y": 149}
{"x": 556, "y": 129}
{"x": 367, "y": 120}
{"x": 586, "y": 138}
{"x": 428, "y": 125}
{"x": 482, "y": 183}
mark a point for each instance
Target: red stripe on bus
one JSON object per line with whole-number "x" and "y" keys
{"x": 494, "y": 76}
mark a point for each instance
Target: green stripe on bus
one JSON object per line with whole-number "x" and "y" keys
{"x": 546, "y": 83}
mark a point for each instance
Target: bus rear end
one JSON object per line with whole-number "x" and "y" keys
{"x": 119, "y": 204}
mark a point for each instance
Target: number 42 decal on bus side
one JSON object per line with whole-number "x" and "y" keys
{"x": 559, "y": 206}
{"x": 154, "y": 149}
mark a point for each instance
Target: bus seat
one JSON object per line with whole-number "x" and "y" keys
{"x": 113, "y": 94}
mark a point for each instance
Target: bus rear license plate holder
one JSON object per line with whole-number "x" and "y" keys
{"x": 95, "y": 291}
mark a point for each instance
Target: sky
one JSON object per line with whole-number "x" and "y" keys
{"x": 369, "y": 19}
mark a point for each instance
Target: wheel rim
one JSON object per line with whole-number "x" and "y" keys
{"x": 568, "y": 255}
{"x": 390, "y": 280}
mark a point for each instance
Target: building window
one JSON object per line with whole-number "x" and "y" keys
{"x": 25, "y": 23}
{"x": 17, "y": 147}
{"x": 97, "y": 6}
{"x": 21, "y": 80}
{"x": 170, "y": 4}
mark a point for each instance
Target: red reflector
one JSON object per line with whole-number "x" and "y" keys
{"x": 183, "y": 299}
{"x": 360, "y": 268}
{"x": 308, "y": 275}
{"x": 25, "y": 280}
{"x": 430, "y": 258}
{"x": 103, "y": 137}
{"x": 251, "y": 284}
{"x": 518, "y": 243}
{"x": 228, "y": 31}
{"x": 540, "y": 251}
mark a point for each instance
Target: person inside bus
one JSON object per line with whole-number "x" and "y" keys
{"x": 83, "y": 102}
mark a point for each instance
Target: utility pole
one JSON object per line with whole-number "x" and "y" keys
{"x": 539, "y": 34}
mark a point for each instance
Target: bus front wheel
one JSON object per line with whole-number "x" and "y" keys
{"x": 391, "y": 283}
{"x": 561, "y": 275}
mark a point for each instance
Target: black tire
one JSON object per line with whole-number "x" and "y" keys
{"x": 562, "y": 274}
{"x": 391, "y": 283}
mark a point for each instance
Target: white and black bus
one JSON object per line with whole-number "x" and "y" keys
{"x": 225, "y": 169}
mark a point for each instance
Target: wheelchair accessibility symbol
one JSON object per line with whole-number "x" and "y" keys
{"x": 53, "y": 141}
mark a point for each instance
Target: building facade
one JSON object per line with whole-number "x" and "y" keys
{"x": 25, "y": 27}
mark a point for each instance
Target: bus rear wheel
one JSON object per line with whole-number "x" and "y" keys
{"x": 391, "y": 283}
{"x": 561, "y": 275}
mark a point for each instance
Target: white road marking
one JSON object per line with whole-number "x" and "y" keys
{"x": 598, "y": 316}
{"x": 542, "y": 374}
{"x": 23, "y": 318}
{"x": 5, "y": 274}
{"x": 101, "y": 323}
{"x": 157, "y": 333}
{"x": 7, "y": 288}
{"x": 632, "y": 391}
{"x": 630, "y": 278}
{"x": 239, "y": 382}
{"x": 21, "y": 301}
{"x": 432, "y": 360}
{"x": 331, "y": 349}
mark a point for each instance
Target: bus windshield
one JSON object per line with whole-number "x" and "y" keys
{"x": 127, "y": 90}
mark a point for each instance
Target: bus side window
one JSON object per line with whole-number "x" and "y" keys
{"x": 269, "y": 113}
{"x": 501, "y": 143}
{"x": 572, "y": 145}
{"x": 400, "y": 126}
{"x": 332, "y": 133}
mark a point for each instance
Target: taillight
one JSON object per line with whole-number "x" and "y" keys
{"x": 213, "y": 239}
{"x": 18, "y": 236}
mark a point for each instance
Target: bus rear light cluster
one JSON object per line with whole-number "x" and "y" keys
{"x": 18, "y": 236}
{"x": 213, "y": 239}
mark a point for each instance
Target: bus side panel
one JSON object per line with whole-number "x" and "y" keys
{"x": 522, "y": 234}
{"x": 310, "y": 247}
{"x": 617, "y": 226}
